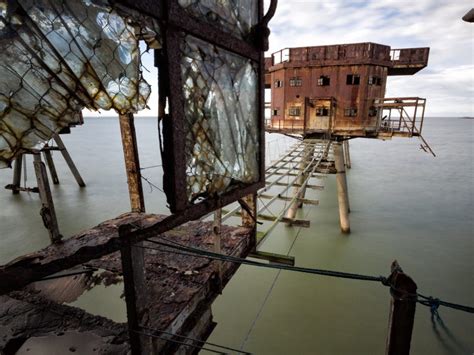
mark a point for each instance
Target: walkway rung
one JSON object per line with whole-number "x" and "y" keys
{"x": 303, "y": 200}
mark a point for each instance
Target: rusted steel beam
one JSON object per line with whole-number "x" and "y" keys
{"x": 47, "y": 212}
{"x": 402, "y": 311}
{"x": 132, "y": 162}
{"x": 51, "y": 167}
{"x": 309, "y": 186}
{"x": 249, "y": 214}
{"x": 302, "y": 200}
{"x": 291, "y": 221}
{"x": 69, "y": 161}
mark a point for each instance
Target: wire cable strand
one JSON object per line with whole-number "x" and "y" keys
{"x": 178, "y": 342}
{"x": 196, "y": 340}
{"x": 196, "y": 252}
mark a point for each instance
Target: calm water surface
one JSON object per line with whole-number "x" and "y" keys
{"x": 405, "y": 205}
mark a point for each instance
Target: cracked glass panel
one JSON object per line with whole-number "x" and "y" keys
{"x": 60, "y": 56}
{"x": 221, "y": 119}
{"x": 233, "y": 16}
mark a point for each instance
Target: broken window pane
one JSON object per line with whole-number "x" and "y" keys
{"x": 60, "y": 56}
{"x": 233, "y": 16}
{"x": 221, "y": 119}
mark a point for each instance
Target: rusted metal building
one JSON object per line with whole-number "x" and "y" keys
{"x": 339, "y": 90}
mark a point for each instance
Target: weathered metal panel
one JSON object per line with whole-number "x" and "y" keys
{"x": 216, "y": 80}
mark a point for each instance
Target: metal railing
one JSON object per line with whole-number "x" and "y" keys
{"x": 402, "y": 115}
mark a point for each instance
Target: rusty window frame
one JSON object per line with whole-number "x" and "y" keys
{"x": 296, "y": 81}
{"x": 350, "y": 112}
{"x": 324, "y": 80}
{"x": 353, "y": 79}
{"x": 375, "y": 80}
{"x": 175, "y": 20}
{"x": 322, "y": 111}
{"x": 294, "y": 111}
{"x": 372, "y": 111}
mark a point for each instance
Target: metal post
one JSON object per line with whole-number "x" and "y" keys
{"x": 402, "y": 311}
{"x": 133, "y": 270}
{"x": 47, "y": 212}
{"x": 249, "y": 221}
{"x": 69, "y": 161}
{"x": 341, "y": 188}
{"x": 216, "y": 232}
{"x": 48, "y": 157}
{"x": 17, "y": 174}
{"x": 132, "y": 162}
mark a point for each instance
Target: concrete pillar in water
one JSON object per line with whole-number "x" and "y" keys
{"x": 308, "y": 153}
{"x": 347, "y": 155}
{"x": 341, "y": 188}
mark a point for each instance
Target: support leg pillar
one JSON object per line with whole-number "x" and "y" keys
{"x": 132, "y": 163}
{"x": 347, "y": 155}
{"x": 69, "y": 161}
{"x": 48, "y": 157}
{"x": 47, "y": 212}
{"x": 341, "y": 183}
{"x": 17, "y": 174}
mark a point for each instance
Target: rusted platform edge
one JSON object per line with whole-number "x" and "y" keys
{"x": 196, "y": 290}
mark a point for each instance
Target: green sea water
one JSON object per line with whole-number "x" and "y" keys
{"x": 405, "y": 205}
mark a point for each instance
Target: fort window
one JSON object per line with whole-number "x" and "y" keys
{"x": 372, "y": 111}
{"x": 353, "y": 79}
{"x": 322, "y": 111}
{"x": 276, "y": 112}
{"x": 278, "y": 83}
{"x": 324, "y": 80}
{"x": 295, "y": 81}
{"x": 375, "y": 80}
{"x": 294, "y": 111}
{"x": 350, "y": 112}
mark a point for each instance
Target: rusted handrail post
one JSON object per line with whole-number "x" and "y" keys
{"x": 402, "y": 311}
{"x": 133, "y": 270}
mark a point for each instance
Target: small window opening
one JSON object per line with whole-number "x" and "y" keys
{"x": 296, "y": 81}
{"x": 375, "y": 80}
{"x": 324, "y": 80}
{"x": 294, "y": 111}
{"x": 372, "y": 111}
{"x": 350, "y": 112}
{"x": 278, "y": 83}
{"x": 353, "y": 79}
{"x": 322, "y": 111}
{"x": 276, "y": 112}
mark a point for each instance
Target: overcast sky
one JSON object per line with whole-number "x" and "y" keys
{"x": 447, "y": 82}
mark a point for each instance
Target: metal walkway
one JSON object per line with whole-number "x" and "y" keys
{"x": 302, "y": 167}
